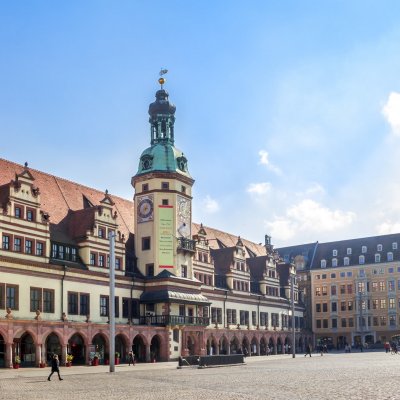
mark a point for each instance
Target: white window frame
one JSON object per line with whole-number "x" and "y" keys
{"x": 377, "y": 258}
{"x": 361, "y": 260}
{"x": 323, "y": 263}
{"x": 363, "y": 249}
{"x": 346, "y": 261}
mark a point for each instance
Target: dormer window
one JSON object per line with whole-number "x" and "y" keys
{"x": 363, "y": 249}
{"x": 361, "y": 259}
{"x": 349, "y": 251}
{"x": 379, "y": 247}
{"x": 323, "y": 263}
{"x": 346, "y": 261}
{"x": 377, "y": 258}
{"x": 334, "y": 253}
{"x": 29, "y": 215}
{"x": 394, "y": 246}
{"x": 334, "y": 262}
{"x": 390, "y": 256}
{"x": 165, "y": 185}
{"x": 17, "y": 212}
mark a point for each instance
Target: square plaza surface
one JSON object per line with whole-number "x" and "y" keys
{"x": 368, "y": 375}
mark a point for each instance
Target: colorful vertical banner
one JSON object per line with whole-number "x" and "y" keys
{"x": 166, "y": 236}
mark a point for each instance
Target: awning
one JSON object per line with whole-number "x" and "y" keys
{"x": 169, "y": 296}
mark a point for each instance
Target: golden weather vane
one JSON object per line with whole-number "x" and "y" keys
{"x": 162, "y": 80}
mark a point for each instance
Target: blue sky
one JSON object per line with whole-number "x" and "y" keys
{"x": 288, "y": 111}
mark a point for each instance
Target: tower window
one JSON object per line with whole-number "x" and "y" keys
{"x": 146, "y": 243}
{"x": 145, "y": 187}
{"x": 183, "y": 189}
{"x": 184, "y": 271}
{"x": 18, "y": 212}
{"x": 165, "y": 185}
{"x": 165, "y": 202}
{"x": 149, "y": 269}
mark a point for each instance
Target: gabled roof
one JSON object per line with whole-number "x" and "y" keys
{"x": 59, "y": 196}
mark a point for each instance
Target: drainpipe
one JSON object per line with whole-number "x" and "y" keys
{"x": 224, "y": 316}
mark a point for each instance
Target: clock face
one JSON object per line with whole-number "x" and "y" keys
{"x": 145, "y": 209}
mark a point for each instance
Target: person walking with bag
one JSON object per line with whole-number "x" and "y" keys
{"x": 55, "y": 367}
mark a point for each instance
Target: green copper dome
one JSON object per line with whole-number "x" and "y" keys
{"x": 162, "y": 156}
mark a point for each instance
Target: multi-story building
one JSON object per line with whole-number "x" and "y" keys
{"x": 181, "y": 288}
{"x": 354, "y": 294}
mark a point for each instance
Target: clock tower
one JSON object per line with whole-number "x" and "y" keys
{"x": 163, "y": 198}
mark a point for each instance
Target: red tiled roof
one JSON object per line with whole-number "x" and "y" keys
{"x": 58, "y": 195}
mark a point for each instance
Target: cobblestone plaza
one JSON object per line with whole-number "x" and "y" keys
{"x": 368, "y": 375}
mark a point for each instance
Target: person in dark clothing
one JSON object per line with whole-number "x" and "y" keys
{"x": 55, "y": 367}
{"x": 131, "y": 358}
{"x": 308, "y": 351}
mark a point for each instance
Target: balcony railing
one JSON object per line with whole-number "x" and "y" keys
{"x": 163, "y": 320}
{"x": 186, "y": 244}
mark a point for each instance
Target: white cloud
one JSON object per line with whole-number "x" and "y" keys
{"x": 264, "y": 160}
{"x": 388, "y": 227}
{"x": 308, "y": 216}
{"x": 259, "y": 188}
{"x": 209, "y": 205}
{"x": 391, "y": 111}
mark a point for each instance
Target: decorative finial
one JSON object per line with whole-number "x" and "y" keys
{"x": 26, "y": 164}
{"x": 162, "y": 80}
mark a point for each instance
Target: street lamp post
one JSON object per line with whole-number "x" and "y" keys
{"x": 111, "y": 304}
{"x": 292, "y": 276}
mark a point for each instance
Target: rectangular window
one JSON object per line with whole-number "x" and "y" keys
{"x": 39, "y": 248}
{"x": 100, "y": 232}
{"x": 146, "y": 243}
{"x": 84, "y": 304}
{"x": 324, "y": 290}
{"x": 118, "y": 263}
{"x": 318, "y": 307}
{"x": 382, "y": 319}
{"x": 392, "y": 320}
{"x": 382, "y": 286}
{"x": 36, "y": 299}
{"x": 17, "y": 212}
{"x": 73, "y": 303}
{"x": 183, "y": 271}
{"x": 116, "y": 304}
{"x": 29, "y": 215}
{"x": 325, "y": 323}
{"x": 374, "y": 286}
{"x": 318, "y": 291}
{"x": 92, "y": 259}
{"x": 391, "y": 286}
{"x": 351, "y": 323}
{"x": 343, "y": 322}
{"x": 334, "y": 323}
{"x": 101, "y": 260}
{"x": 17, "y": 244}
{"x": 145, "y": 187}
{"x": 48, "y": 300}
{"x": 6, "y": 242}
{"x": 164, "y": 185}
{"x": 383, "y": 304}
{"x": 349, "y": 289}
{"x": 342, "y": 289}
{"x": 334, "y": 306}
{"x": 149, "y": 269}
{"x": 324, "y": 307}
{"x": 104, "y": 306}
{"x": 392, "y": 303}
{"x": 165, "y": 202}
{"x": 333, "y": 290}
{"x": 28, "y": 246}
{"x": 254, "y": 318}
{"x": 375, "y": 304}
{"x": 12, "y": 297}
{"x": 318, "y": 324}
{"x": 350, "y": 305}
{"x": 2, "y": 296}
{"x": 343, "y": 306}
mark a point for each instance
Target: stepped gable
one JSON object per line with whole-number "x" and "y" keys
{"x": 59, "y": 195}
{"x": 218, "y": 239}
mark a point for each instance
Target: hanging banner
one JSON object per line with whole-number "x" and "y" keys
{"x": 166, "y": 236}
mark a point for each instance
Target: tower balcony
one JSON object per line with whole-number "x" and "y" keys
{"x": 186, "y": 245}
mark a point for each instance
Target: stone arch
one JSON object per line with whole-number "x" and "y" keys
{"x": 246, "y": 346}
{"x": 223, "y": 345}
{"x": 279, "y": 345}
{"x": 101, "y": 347}
{"x": 191, "y": 345}
{"x": 254, "y": 347}
{"x": 272, "y": 345}
{"x": 263, "y": 346}
{"x": 27, "y": 350}
{"x": 156, "y": 348}
{"x": 212, "y": 346}
{"x": 20, "y": 332}
{"x": 139, "y": 347}
{"x": 121, "y": 344}
{"x": 77, "y": 348}
{"x": 49, "y": 332}
{"x": 235, "y": 347}
{"x": 53, "y": 346}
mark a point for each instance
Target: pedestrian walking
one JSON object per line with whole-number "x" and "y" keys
{"x": 308, "y": 350}
{"x": 131, "y": 358}
{"x": 55, "y": 367}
